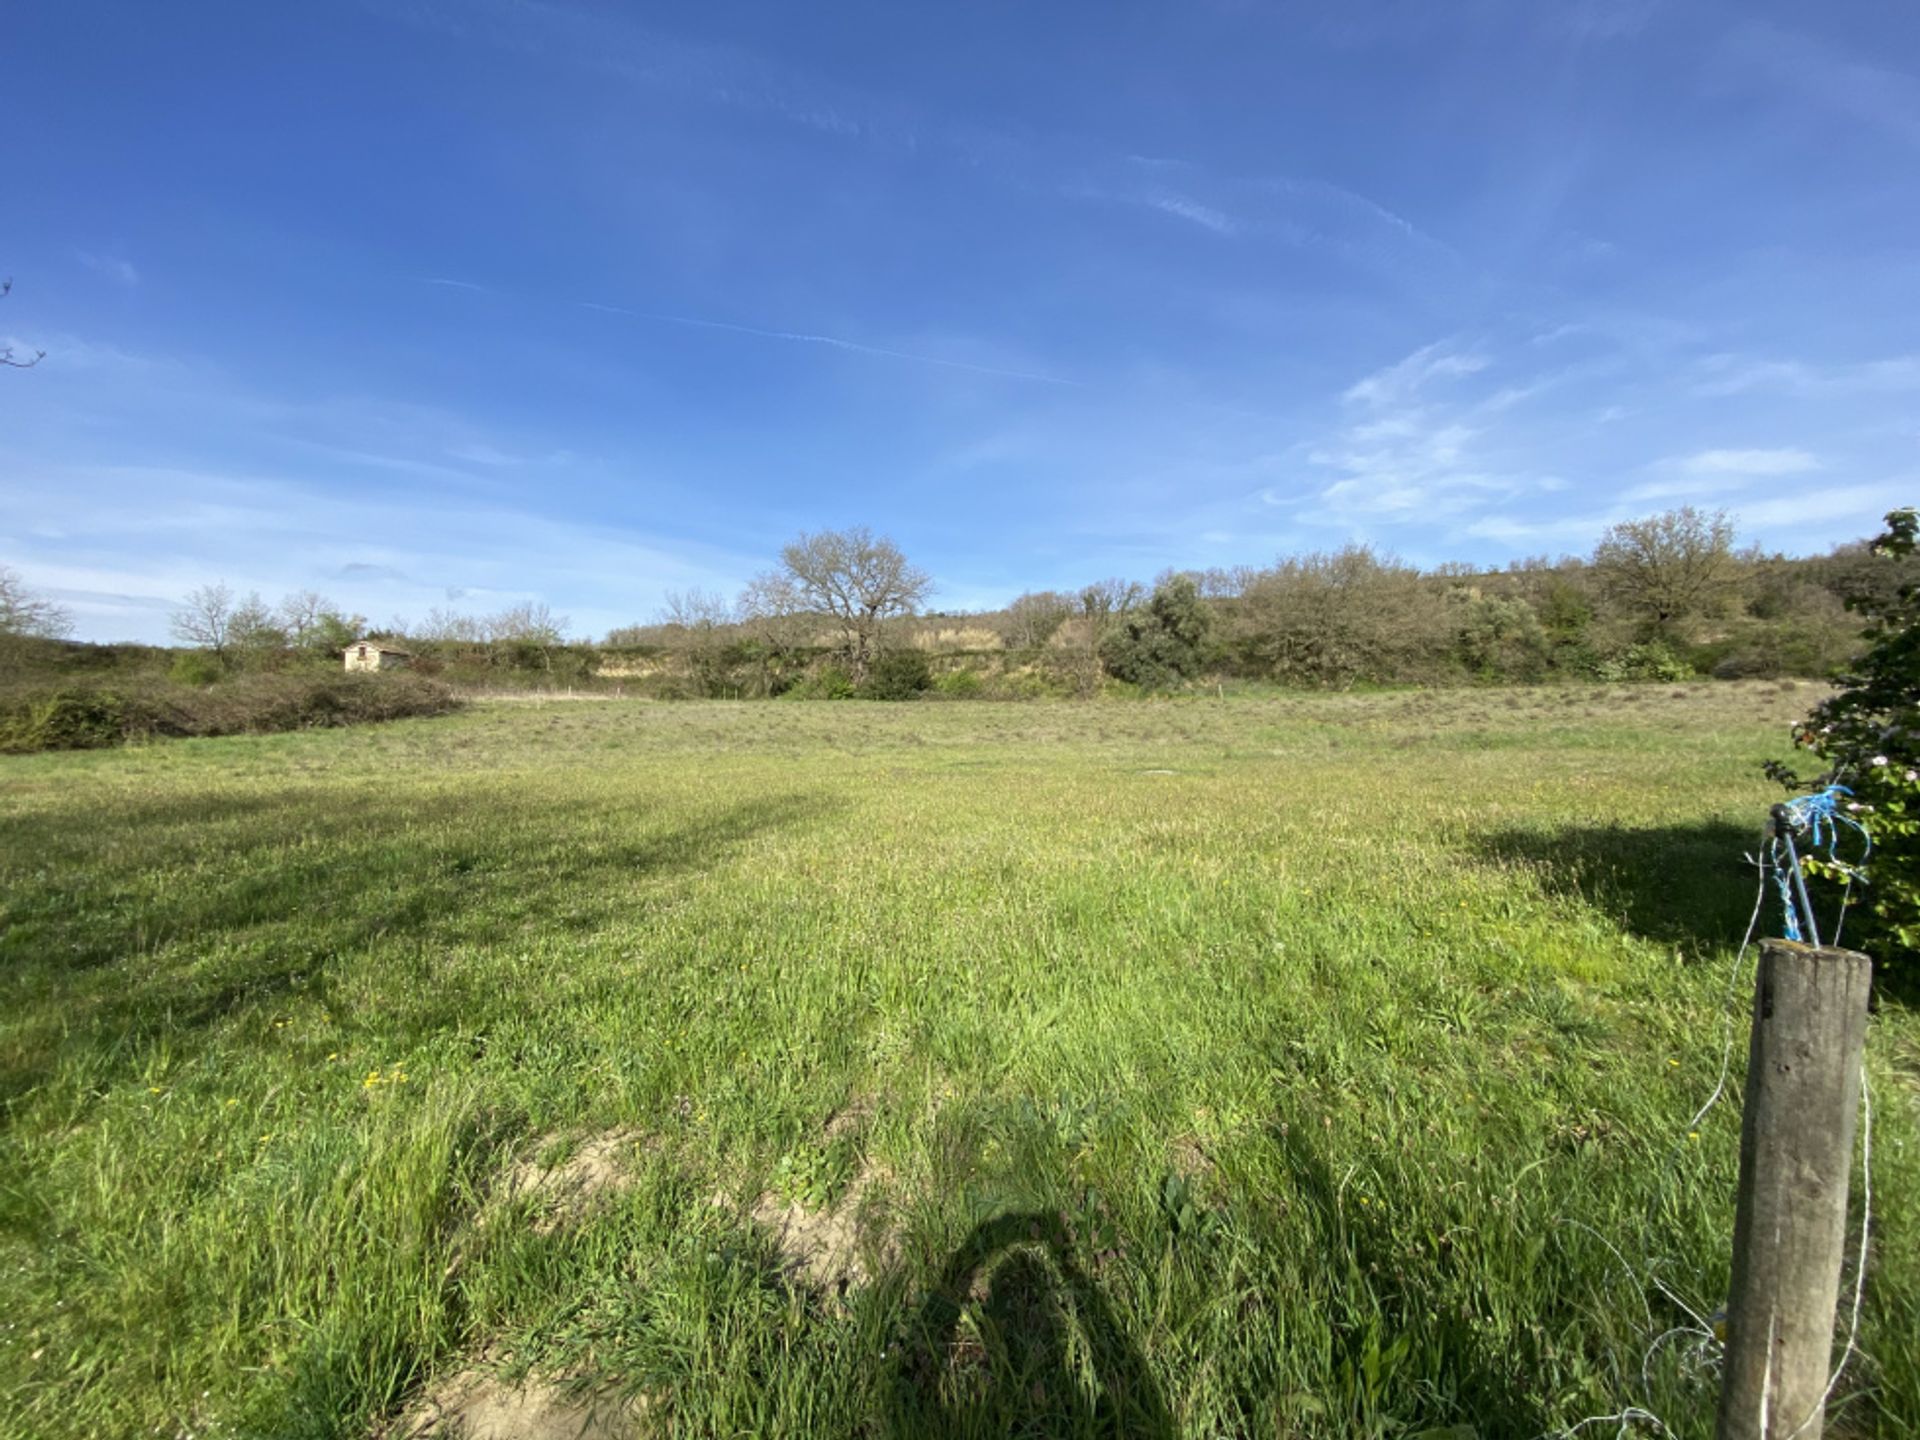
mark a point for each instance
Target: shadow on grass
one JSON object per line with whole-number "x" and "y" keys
{"x": 1044, "y": 1355}
{"x": 187, "y": 925}
{"x": 1684, "y": 885}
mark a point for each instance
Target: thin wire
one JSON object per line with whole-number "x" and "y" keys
{"x": 1726, "y": 999}
{"x": 1632, "y": 1274}
{"x": 1646, "y": 1359}
{"x": 1701, "y": 1327}
{"x": 1624, "y": 1418}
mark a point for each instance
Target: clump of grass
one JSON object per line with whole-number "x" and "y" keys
{"x": 1223, "y": 1068}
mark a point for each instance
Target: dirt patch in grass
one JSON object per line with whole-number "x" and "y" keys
{"x": 1190, "y": 1157}
{"x": 838, "y": 1247}
{"x": 583, "y": 1175}
{"x": 477, "y": 1405}
{"x": 849, "y": 1119}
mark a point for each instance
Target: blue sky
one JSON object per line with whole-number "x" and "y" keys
{"x": 462, "y": 302}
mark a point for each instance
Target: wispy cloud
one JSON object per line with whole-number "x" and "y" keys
{"x": 612, "y": 43}
{"x": 1399, "y": 382}
{"x": 1846, "y": 84}
{"x": 114, "y": 267}
{"x": 1408, "y": 449}
{"x": 1734, "y": 374}
{"x": 1749, "y": 462}
{"x": 447, "y": 282}
{"x": 1170, "y": 202}
{"x": 1841, "y": 511}
{"x": 149, "y": 534}
{"x": 835, "y": 342}
{"x": 1298, "y": 212}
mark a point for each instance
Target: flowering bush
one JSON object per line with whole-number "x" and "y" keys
{"x": 1868, "y": 735}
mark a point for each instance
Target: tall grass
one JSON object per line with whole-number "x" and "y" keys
{"x": 1270, "y": 1067}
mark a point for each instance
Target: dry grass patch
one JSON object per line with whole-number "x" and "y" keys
{"x": 838, "y": 1246}
{"x": 476, "y": 1404}
{"x": 564, "y": 1179}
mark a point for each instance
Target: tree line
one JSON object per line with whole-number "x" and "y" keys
{"x": 1665, "y": 597}
{"x": 844, "y": 612}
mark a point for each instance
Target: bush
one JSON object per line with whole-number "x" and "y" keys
{"x": 960, "y": 685}
{"x": 72, "y": 718}
{"x": 1500, "y": 639}
{"x": 829, "y": 682}
{"x": 1649, "y": 660}
{"x": 195, "y": 667}
{"x": 81, "y": 716}
{"x": 897, "y": 675}
{"x": 1868, "y": 735}
{"x": 1165, "y": 643}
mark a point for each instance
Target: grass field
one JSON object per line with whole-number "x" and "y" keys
{"x": 1313, "y": 1066}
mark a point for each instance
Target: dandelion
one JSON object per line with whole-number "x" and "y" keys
{"x": 233, "y": 1102}
{"x": 153, "y": 1090}
{"x": 1671, "y": 1061}
{"x": 1693, "y": 1135}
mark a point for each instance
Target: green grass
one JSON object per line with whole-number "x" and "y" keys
{"x": 1300, "y": 1091}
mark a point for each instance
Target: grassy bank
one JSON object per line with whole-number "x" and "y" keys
{"x": 1309, "y": 1066}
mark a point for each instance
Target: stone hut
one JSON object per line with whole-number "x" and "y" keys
{"x": 376, "y": 655}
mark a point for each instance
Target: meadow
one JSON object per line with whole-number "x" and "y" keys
{"x": 1266, "y": 1065}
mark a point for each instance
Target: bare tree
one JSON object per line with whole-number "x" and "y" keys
{"x": 449, "y": 626}
{"x": 532, "y": 622}
{"x": 311, "y": 621}
{"x": 299, "y": 614}
{"x": 775, "y": 620}
{"x": 696, "y": 609}
{"x": 205, "y": 619}
{"x": 7, "y": 355}
{"x": 1102, "y": 605}
{"x": 859, "y": 580}
{"x": 1666, "y": 569}
{"x": 1031, "y": 619}
{"x": 701, "y": 623}
{"x": 26, "y": 614}
{"x": 253, "y": 630}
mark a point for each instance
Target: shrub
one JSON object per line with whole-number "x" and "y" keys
{"x": 1649, "y": 660}
{"x": 829, "y": 682}
{"x": 1498, "y": 638}
{"x": 195, "y": 667}
{"x": 71, "y": 718}
{"x": 960, "y": 685}
{"x": 1165, "y": 643}
{"x": 82, "y": 715}
{"x": 1868, "y": 735}
{"x": 897, "y": 675}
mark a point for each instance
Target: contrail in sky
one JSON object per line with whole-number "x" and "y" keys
{"x": 797, "y": 337}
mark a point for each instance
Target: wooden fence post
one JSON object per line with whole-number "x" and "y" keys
{"x": 1790, "y": 1228}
